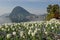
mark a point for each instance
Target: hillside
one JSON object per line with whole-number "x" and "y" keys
{"x": 19, "y": 14}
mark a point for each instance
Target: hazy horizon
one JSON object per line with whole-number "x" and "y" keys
{"x": 33, "y": 6}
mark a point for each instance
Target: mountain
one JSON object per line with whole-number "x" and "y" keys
{"x": 5, "y": 18}
{"x": 19, "y": 14}
{"x": 5, "y": 15}
{"x": 42, "y": 17}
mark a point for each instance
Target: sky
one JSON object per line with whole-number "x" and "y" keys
{"x": 33, "y": 6}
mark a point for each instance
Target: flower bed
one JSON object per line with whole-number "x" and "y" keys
{"x": 37, "y": 30}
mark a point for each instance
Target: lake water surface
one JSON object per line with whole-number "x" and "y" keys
{"x": 4, "y": 20}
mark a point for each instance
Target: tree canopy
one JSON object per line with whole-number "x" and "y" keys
{"x": 53, "y": 12}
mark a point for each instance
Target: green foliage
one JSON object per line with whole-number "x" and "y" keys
{"x": 53, "y": 8}
{"x": 49, "y": 16}
{"x": 52, "y": 11}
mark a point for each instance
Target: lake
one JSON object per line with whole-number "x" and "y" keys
{"x": 4, "y": 20}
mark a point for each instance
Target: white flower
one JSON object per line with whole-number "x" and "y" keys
{"x": 11, "y": 26}
{"x": 23, "y": 36}
{"x": 44, "y": 29}
{"x": 57, "y": 22}
{"x": 13, "y": 29}
{"x": 14, "y": 33}
{"x": 21, "y": 33}
{"x": 6, "y": 26}
{"x": 54, "y": 20}
{"x": 35, "y": 31}
{"x": 31, "y": 27}
{"x": 19, "y": 27}
{"x": 47, "y": 22}
{"x": 58, "y": 39}
{"x": 55, "y": 25}
{"x": 15, "y": 24}
{"x": 35, "y": 24}
{"x": 29, "y": 32}
{"x": 0, "y": 26}
{"x": 52, "y": 27}
{"x": 46, "y": 33}
{"x": 39, "y": 29}
{"x": 27, "y": 27}
{"x": 33, "y": 34}
{"x": 8, "y": 29}
{"x": 8, "y": 35}
{"x": 18, "y": 23}
{"x": 2, "y": 29}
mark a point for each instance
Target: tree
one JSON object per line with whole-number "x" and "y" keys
{"x": 53, "y": 11}
{"x": 49, "y": 8}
